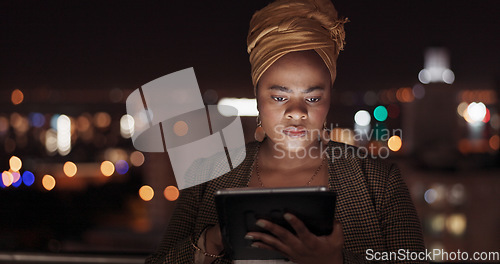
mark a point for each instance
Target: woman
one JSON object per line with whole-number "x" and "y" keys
{"x": 293, "y": 47}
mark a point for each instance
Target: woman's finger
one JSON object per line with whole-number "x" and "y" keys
{"x": 269, "y": 242}
{"x": 280, "y": 232}
{"x": 283, "y": 240}
{"x": 301, "y": 229}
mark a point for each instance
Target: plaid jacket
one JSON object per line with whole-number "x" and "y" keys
{"x": 373, "y": 205}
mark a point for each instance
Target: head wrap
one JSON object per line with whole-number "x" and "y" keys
{"x": 285, "y": 26}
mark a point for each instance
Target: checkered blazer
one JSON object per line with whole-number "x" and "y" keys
{"x": 373, "y": 205}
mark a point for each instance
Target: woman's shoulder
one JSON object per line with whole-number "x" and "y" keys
{"x": 379, "y": 175}
{"x": 373, "y": 166}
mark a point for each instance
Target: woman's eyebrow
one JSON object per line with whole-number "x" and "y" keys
{"x": 287, "y": 90}
{"x": 280, "y": 88}
{"x": 314, "y": 88}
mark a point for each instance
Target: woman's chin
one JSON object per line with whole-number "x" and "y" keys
{"x": 293, "y": 146}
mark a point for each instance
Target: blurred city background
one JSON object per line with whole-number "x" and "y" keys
{"x": 72, "y": 182}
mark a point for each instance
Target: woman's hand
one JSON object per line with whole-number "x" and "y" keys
{"x": 304, "y": 247}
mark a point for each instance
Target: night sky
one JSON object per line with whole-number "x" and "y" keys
{"x": 124, "y": 44}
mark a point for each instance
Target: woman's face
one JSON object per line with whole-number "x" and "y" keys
{"x": 293, "y": 98}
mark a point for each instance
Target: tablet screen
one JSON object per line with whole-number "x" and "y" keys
{"x": 240, "y": 208}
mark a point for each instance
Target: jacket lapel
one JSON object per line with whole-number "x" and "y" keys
{"x": 355, "y": 208}
{"x": 237, "y": 178}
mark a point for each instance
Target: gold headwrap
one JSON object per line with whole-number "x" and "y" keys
{"x": 285, "y": 26}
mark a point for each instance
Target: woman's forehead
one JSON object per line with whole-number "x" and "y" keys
{"x": 297, "y": 68}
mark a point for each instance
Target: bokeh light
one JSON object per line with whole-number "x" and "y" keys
{"x": 15, "y": 120}
{"x": 53, "y": 121}
{"x": 390, "y": 95}
{"x": 362, "y": 118}
{"x": 137, "y": 158}
{"x": 146, "y": 193}
{"x": 17, "y": 97}
{"x": 476, "y": 111}
{"x": 171, "y": 193}
{"x": 15, "y": 163}
{"x": 467, "y": 117}
{"x": 494, "y": 142}
{"x": 418, "y": 91}
{"x": 36, "y": 119}
{"x": 456, "y": 195}
{"x": 456, "y": 224}
{"x": 63, "y": 135}
{"x": 370, "y": 98}
{"x": 70, "y": 169}
{"x": 495, "y": 121}
{"x": 436, "y": 194}
{"x": 115, "y": 154}
{"x": 181, "y": 128}
{"x": 102, "y": 120}
{"x": 28, "y": 178}
{"x": 7, "y": 178}
{"x": 15, "y": 176}
{"x": 424, "y": 76}
{"x": 51, "y": 141}
{"x": 4, "y": 124}
{"x": 405, "y": 95}
{"x": 487, "y": 117}
{"x": 107, "y": 168}
{"x": 395, "y": 143}
{"x": 121, "y": 167}
{"x": 462, "y": 107}
{"x": 393, "y": 111}
{"x": 82, "y": 123}
{"x": 448, "y": 76}
{"x": 438, "y": 223}
{"x": 380, "y": 113}
{"x": 17, "y": 179}
{"x": 20, "y": 123}
{"x": 48, "y": 182}
{"x": 127, "y": 126}
{"x": 430, "y": 196}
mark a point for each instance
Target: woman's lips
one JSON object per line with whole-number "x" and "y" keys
{"x": 295, "y": 132}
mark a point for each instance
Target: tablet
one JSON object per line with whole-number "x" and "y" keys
{"x": 239, "y": 208}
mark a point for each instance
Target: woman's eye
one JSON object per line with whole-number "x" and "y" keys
{"x": 279, "y": 99}
{"x": 313, "y": 100}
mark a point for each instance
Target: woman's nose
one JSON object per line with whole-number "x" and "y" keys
{"x": 296, "y": 111}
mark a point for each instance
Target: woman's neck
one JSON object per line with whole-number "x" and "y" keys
{"x": 271, "y": 153}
